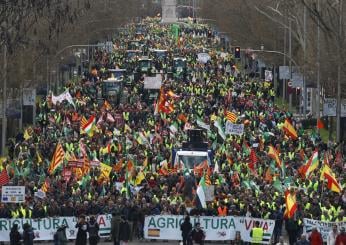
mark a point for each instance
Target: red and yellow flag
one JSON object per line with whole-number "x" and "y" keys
{"x": 57, "y": 160}
{"x": 333, "y": 184}
{"x": 230, "y": 116}
{"x": 274, "y": 154}
{"x": 289, "y": 130}
{"x": 291, "y": 203}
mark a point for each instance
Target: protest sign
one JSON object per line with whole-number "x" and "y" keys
{"x": 13, "y": 194}
{"x": 237, "y": 129}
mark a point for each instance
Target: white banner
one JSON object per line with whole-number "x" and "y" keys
{"x": 29, "y": 96}
{"x": 64, "y": 96}
{"x": 44, "y": 229}
{"x": 13, "y": 194}
{"x": 167, "y": 227}
{"x": 237, "y": 129}
{"x": 323, "y": 227}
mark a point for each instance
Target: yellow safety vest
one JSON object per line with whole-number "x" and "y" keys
{"x": 257, "y": 235}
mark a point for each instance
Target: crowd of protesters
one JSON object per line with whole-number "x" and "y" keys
{"x": 145, "y": 139}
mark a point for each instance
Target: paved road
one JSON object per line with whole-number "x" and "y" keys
{"x": 139, "y": 242}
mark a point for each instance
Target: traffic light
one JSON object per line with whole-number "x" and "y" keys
{"x": 237, "y": 52}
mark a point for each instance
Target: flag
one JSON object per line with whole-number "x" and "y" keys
{"x": 289, "y": 130}
{"x": 4, "y": 178}
{"x": 333, "y": 184}
{"x": 253, "y": 160}
{"x": 46, "y": 185}
{"x": 291, "y": 203}
{"x": 83, "y": 122}
{"x": 230, "y": 116}
{"x": 220, "y": 130}
{"x": 309, "y": 166}
{"x": 139, "y": 178}
{"x": 88, "y": 127}
{"x": 320, "y": 124}
{"x": 201, "y": 193}
{"x": 57, "y": 160}
{"x": 273, "y": 153}
{"x": 200, "y": 168}
{"x": 106, "y": 105}
{"x": 105, "y": 171}
{"x": 117, "y": 167}
{"x": 207, "y": 177}
{"x": 171, "y": 94}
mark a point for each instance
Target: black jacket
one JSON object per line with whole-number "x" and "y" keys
{"x": 186, "y": 228}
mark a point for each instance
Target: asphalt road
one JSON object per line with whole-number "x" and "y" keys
{"x": 153, "y": 242}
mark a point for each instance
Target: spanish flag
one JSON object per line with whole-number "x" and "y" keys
{"x": 291, "y": 203}
{"x": 273, "y": 153}
{"x": 333, "y": 184}
{"x": 289, "y": 130}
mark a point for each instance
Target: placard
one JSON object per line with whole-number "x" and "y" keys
{"x": 237, "y": 129}
{"x": 13, "y": 194}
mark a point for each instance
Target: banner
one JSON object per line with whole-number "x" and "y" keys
{"x": 13, "y": 194}
{"x": 44, "y": 229}
{"x": 167, "y": 227}
{"x": 237, "y": 129}
{"x": 64, "y": 96}
{"x": 322, "y": 226}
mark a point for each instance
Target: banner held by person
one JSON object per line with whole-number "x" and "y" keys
{"x": 323, "y": 227}
{"x": 216, "y": 228}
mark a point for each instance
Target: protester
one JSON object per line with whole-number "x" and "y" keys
{"x": 197, "y": 234}
{"x": 124, "y": 231}
{"x": 332, "y": 235}
{"x": 60, "y": 236}
{"x": 315, "y": 237}
{"x": 82, "y": 226}
{"x": 115, "y": 227}
{"x": 186, "y": 228}
{"x": 237, "y": 239}
{"x": 93, "y": 230}
{"x": 28, "y": 235}
{"x": 257, "y": 233}
{"x": 15, "y": 236}
{"x": 341, "y": 238}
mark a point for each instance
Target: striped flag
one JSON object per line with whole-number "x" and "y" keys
{"x": 87, "y": 128}
{"x": 57, "y": 160}
{"x": 46, "y": 185}
{"x": 291, "y": 204}
{"x": 333, "y": 184}
{"x": 309, "y": 166}
{"x": 230, "y": 116}
{"x": 201, "y": 193}
{"x": 273, "y": 153}
{"x": 289, "y": 130}
{"x": 83, "y": 122}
